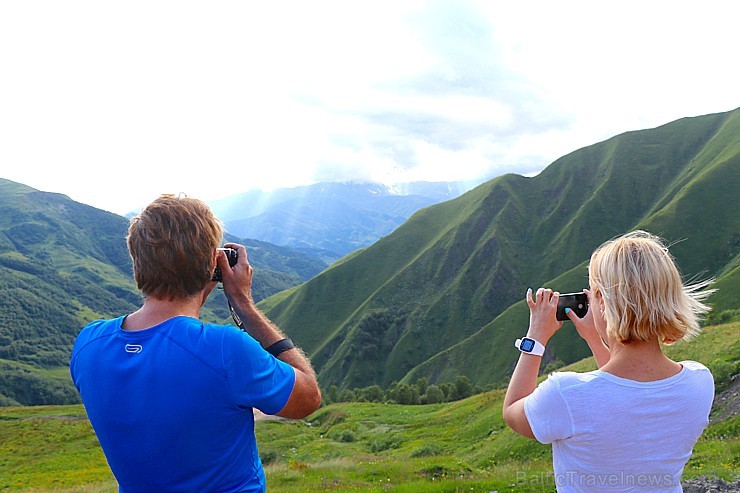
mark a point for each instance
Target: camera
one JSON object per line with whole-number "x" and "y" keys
{"x": 578, "y": 302}
{"x": 232, "y": 256}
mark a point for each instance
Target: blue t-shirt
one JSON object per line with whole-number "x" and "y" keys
{"x": 172, "y": 405}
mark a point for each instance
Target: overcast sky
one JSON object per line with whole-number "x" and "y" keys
{"x": 113, "y": 103}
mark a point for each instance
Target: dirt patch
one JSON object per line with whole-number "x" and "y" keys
{"x": 726, "y": 403}
{"x": 706, "y": 485}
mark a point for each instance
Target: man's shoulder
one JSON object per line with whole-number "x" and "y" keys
{"x": 197, "y": 330}
{"x": 99, "y": 328}
{"x": 205, "y": 338}
{"x": 95, "y": 331}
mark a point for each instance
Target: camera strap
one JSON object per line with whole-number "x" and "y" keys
{"x": 237, "y": 319}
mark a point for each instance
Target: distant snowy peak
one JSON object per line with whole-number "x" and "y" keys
{"x": 331, "y": 216}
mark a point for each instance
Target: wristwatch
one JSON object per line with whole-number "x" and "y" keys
{"x": 530, "y": 346}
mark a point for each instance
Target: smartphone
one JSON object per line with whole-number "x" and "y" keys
{"x": 578, "y": 302}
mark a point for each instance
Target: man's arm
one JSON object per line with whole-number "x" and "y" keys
{"x": 306, "y": 395}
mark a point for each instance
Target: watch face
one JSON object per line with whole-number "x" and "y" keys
{"x": 527, "y": 345}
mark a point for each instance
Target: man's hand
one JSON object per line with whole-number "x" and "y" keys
{"x": 306, "y": 396}
{"x": 237, "y": 280}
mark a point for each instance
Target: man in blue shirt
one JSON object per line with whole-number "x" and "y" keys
{"x": 171, "y": 398}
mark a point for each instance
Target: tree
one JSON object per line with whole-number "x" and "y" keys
{"x": 422, "y": 383}
{"x": 348, "y": 395}
{"x": 406, "y": 394}
{"x": 373, "y": 393}
{"x": 434, "y": 395}
{"x": 333, "y": 394}
{"x": 463, "y": 387}
{"x": 449, "y": 391}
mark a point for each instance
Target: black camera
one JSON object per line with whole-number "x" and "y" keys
{"x": 232, "y": 256}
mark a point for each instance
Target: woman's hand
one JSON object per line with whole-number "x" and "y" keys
{"x": 586, "y": 328}
{"x": 543, "y": 307}
{"x": 543, "y": 324}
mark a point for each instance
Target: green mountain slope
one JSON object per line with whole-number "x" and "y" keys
{"x": 442, "y": 294}
{"x": 374, "y": 447}
{"x": 63, "y": 264}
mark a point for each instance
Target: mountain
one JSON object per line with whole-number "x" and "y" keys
{"x": 329, "y": 219}
{"x": 438, "y": 297}
{"x": 443, "y": 294}
{"x": 453, "y": 446}
{"x": 63, "y": 264}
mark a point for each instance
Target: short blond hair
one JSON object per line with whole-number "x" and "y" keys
{"x": 172, "y": 244}
{"x": 643, "y": 292}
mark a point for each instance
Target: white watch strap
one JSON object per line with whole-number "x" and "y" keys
{"x": 530, "y": 346}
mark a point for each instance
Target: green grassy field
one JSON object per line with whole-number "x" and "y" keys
{"x": 462, "y": 446}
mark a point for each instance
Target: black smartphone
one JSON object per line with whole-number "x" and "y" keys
{"x": 578, "y": 302}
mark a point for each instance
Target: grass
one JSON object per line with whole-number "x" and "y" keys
{"x": 49, "y": 448}
{"x": 462, "y": 446}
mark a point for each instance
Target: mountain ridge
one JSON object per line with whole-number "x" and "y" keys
{"x": 63, "y": 264}
{"x": 455, "y": 268}
{"x": 334, "y": 218}
{"x": 435, "y": 298}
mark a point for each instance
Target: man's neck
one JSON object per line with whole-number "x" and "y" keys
{"x": 155, "y": 311}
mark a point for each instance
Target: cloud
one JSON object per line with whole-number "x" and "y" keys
{"x": 466, "y": 101}
{"x": 215, "y": 99}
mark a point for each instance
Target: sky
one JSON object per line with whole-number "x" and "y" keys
{"x": 114, "y": 103}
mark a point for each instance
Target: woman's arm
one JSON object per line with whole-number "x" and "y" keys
{"x": 542, "y": 326}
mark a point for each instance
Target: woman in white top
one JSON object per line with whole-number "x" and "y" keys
{"x": 630, "y": 425}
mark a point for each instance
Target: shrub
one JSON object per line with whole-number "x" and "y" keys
{"x": 429, "y": 449}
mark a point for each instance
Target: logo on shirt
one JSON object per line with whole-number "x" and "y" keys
{"x": 133, "y": 348}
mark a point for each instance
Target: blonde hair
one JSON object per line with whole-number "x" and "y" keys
{"x": 644, "y": 295}
{"x": 172, "y": 244}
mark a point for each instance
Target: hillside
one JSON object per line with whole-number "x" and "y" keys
{"x": 443, "y": 293}
{"x": 63, "y": 264}
{"x": 364, "y": 447}
{"x": 329, "y": 219}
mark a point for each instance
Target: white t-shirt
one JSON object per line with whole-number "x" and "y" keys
{"x": 613, "y": 434}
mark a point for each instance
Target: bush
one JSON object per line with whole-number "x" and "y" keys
{"x": 269, "y": 457}
{"x": 347, "y": 437}
{"x": 429, "y": 449}
{"x": 380, "y": 443}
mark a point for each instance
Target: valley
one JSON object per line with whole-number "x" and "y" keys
{"x": 374, "y": 447}
{"x": 445, "y": 290}
{"x": 438, "y": 299}
{"x": 428, "y": 300}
